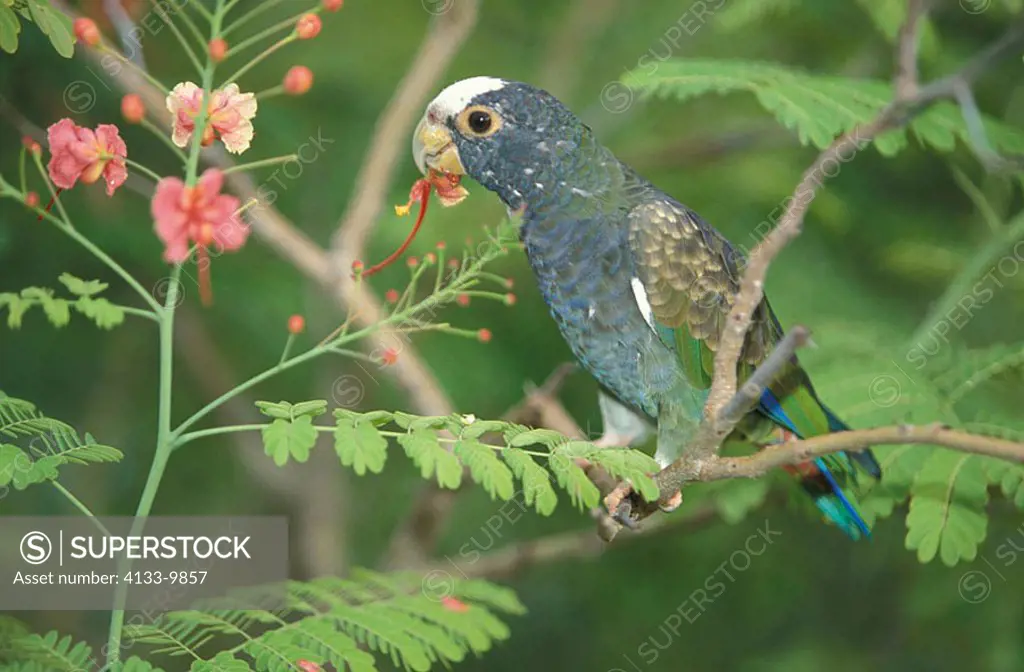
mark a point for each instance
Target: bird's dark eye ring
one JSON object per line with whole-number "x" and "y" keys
{"x": 479, "y": 121}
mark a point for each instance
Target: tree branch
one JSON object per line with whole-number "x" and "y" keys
{"x": 794, "y": 452}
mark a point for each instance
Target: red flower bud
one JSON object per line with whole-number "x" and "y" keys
{"x": 453, "y": 263}
{"x": 510, "y": 299}
{"x": 391, "y": 296}
{"x": 357, "y": 266}
{"x": 86, "y": 31}
{"x": 132, "y": 108}
{"x": 389, "y": 356}
{"x": 430, "y": 258}
{"x": 32, "y": 199}
{"x": 333, "y": 5}
{"x": 441, "y": 245}
{"x": 218, "y": 49}
{"x": 298, "y": 80}
{"x": 484, "y": 335}
{"x": 462, "y": 299}
{"x": 509, "y": 282}
{"x": 296, "y": 324}
{"x": 454, "y": 604}
{"x": 308, "y": 26}
{"x": 413, "y": 262}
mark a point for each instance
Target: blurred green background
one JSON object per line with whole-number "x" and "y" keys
{"x": 881, "y": 243}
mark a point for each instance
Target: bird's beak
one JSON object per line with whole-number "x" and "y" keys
{"x": 433, "y": 147}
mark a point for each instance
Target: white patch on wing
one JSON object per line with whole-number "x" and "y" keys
{"x": 640, "y": 294}
{"x": 457, "y": 96}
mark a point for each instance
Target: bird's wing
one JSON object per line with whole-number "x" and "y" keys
{"x": 688, "y": 276}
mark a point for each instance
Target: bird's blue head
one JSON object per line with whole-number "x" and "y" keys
{"x": 516, "y": 140}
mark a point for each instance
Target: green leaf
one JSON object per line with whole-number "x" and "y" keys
{"x": 283, "y": 439}
{"x": 582, "y": 491}
{"x": 480, "y": 427}
{"x": 57, "y": 311}
{"x": 360, "y": 446}
{"x": 105, "y": 314}
{"x": 735, "y": 499}
{"x": 222, "y": 662}
{"x": 16, "y": 307}
{"x": 537, "y": 490}
{"x": 547, "y": 437}
{"x": 947, "y": 508}
{"x": 422, "y": 446}
{"x": 1008, "y": 475}
{"x": 311, "y": 408}
{"x": 10, "y": 27}
{"x": 631, "y": 465}
{"x": 275, "y": 409}
{"x": 13, "y": 460}
{"x": 81, "y": 287}
{"x": 486, "y": 468}
{"x": 57, "y": 27}
{"x": 818, "y": 108}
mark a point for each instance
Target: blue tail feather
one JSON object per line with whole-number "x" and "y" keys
{"x": 834, "y": 504}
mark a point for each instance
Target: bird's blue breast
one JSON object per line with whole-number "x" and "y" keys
{"x": 583, "y": 269}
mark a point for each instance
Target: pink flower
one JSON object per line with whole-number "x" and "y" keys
{"x": 200, "y": 214}
{"x": 82, "y": 154}
{"x": 230, "y": 115}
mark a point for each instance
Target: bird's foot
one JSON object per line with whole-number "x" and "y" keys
{"x": 613, "y": 440}
{"x": 672, "y": 503}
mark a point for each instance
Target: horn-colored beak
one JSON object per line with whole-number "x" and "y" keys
{"x": 433, "y": 147}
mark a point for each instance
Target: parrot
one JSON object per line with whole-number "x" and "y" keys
{"x": 638, "y": 284}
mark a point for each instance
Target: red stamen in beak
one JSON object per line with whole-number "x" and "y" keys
{"x": 420, "y": 192}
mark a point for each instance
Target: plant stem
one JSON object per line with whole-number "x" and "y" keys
{"x": 81, "y": 507}
{"x": 259, "y": 58}
{"x": 287, "y": 364}
{"x": 265, "y": 33}
{"x": 141, "y": 71}
{"x": 70, "y": 230}
{"x": 141, "y": 168}
{"x": 260, "y": 164}
{"x": 272, "y": 92}
{"x": 201, "y": 9}
{"x": 162, "y": 13}
{"x": 164, "y": 442}
{"x": 190, "y": 24}
{"x": 165, "y": 138}
{"x": 245, "y": 18}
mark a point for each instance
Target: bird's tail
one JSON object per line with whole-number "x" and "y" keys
{"x": 830, "y": 482}
{"x": 832, "y": 479}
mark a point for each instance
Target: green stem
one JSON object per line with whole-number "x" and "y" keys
{"x": 160, "y": 458}
{"x": 70, "y": 230}
{"x": 190, "y": 24}
{"x": 260, "y": 164}
{"x": 165, "y": 436}
{"x": 259, "y": 58}
{"x": 245, "y": 18}
{"x": 982, "y": 260}
{"x": 81, "y": 507}
{"x": 272, "y": 92}
{"x": 21, "y": 169}
{"x": 165, "y": 138}
{"x": 201, "y": 9}
{"x": 234, "y": 429}
{"x": 162, "y": 13}
{"x": 259, "y": 378}
{"x": 265, "y": 33}
{"x": 143, "y": 169}
{"x": 131, "y": 64}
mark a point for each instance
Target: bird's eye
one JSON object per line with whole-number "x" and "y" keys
{"x": 479, "y": 121}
